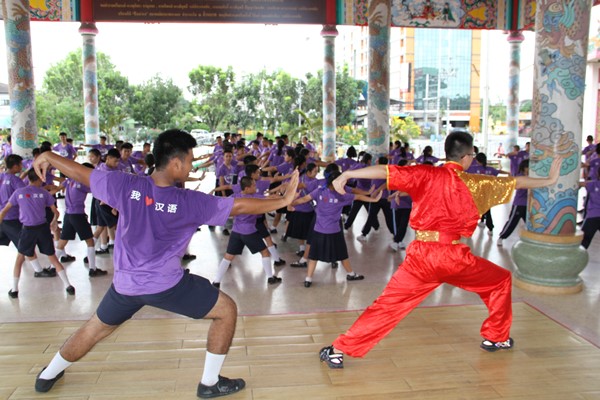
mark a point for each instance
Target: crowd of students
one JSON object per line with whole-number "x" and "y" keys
{"x": 251, "y": 179}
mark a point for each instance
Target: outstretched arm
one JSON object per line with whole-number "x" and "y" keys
{"x": 248, "y": 205}
{"x": 526, "y": 182}
{"x": 373, "y": 172}
{"x": 68, "y": 167}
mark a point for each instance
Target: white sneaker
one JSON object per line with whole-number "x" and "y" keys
{"x": 401, "y": 246}
{"x": 490, "y": 233}
{"x": 499, "y": 242}
{"x": 394, "y": 246}
{"x": 362, "y": 238}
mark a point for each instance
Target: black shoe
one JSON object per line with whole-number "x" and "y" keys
{"x": 44, "y": 385}
{"x": 96, "y": 272}
{"x": 298, "y": 264}
{"x": 13, "y": 295}
{"x": 198, "y": 229}
{"x": 60, "y": 196}
{"x": 45, "y": 273}
{"x": 188, "y": 257}
{"x": 103, "y": 251}
{"x": 300, "y": 253}
{"x": 223, "y": 387}
{"x": 211, "y": 228}
{"x": 85, "y": 260}
{"x": 355, "y": 277}
{"x": 274, "y": 230}
{"x": 334, "y": 265}
{"x": 226, "y": 232}
{"x": 284, "y": 238}
{"x": 490, "y": 346}
{"x": 273, "y": 280}
{"x": 279, "y": 263}
{"x": 307, "y": 283}
{"x": 111, "y": 245}
{"x": 217, "y": 284}
{"x": 333, "y": 360}
{"x": 70, "y": 290}
{"x": 67, "y": 258}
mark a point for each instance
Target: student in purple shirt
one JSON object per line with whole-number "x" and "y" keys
{"x": 327, "y": 243}
{"x": 590, "y": 149}
{"x": 349, "y": 161}
{"x": 127, "y": 163}
{"x": 245, "y": 234}
{"x": 107, "y": 215}
{"x": 300, "y": 219}
{"x": 76, "y": 222}
{"x": 374, "y": 208}
{"x": 591, "y": 223}
{"x": 6, "y": 147}
{"x": 427, "y": 156}
{"x": 519, "y": 206}
{"x": 139, "y": 159}
{"x": 32, "y": 201}
{"x": 362, "y": 184}
{"x": 11, "y": 226}
{"x": 65, "y": 149}
{"x": 156, "y": 222}
{"x": 284, "y": 168}
{"x": 103, "y": 148}
{"x": 483, "y": 169}
{"x": 516, "y": 157}
{"x": 401, "y": 206}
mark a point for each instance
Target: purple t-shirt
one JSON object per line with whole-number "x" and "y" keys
{"x": 364, "y": 184}
{"x": 227, "y": 173}
{"x": 593, "y": 204}
{"x": 126, "y": 166}
{"x": 102, "y": 148}
{"x": 402, "y": 202}
{"x": 594, "y": 167}
{"x": 245, "y": 224}
{"x": 310, "y": 185}
{"x": 65, "y": 150}
{"x": 423, "y": 158}
{"x": 285, "y": 168}
{"x": 329, "y": 209}
{"x": 515, "y": 161}
{"x": 275, "y": 159}
{"x": 378, "y": 182}
{"x": 75, "y": 196}
{"x": 261, "y": 187}
{"x": 6, "y": 149}
{"x": 32, "y": 202}
{"x": 10, "y": 183}
{"x": 155, "y": 226}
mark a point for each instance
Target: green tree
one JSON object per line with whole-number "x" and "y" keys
{"x": 63, "y": 87}
{"x": 404, "y": 129}
{"x": 213, "y": 88}
{"x": 157, "y": 102}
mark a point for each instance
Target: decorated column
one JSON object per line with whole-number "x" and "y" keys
{"x": 329, "y": 33}
{"x": 515, "y": 38}
{"x": 378, "y": 102}
{"x": 88, "y": 32}
{"x": 548, "y": 256}
{"x": 20, "y": 77}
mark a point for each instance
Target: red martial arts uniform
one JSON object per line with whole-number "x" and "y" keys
{"x": 447, "y": 204}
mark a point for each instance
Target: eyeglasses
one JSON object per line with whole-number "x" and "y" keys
{"x": 470, "y": 154}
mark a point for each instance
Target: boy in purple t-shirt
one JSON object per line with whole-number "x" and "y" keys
{"x": 591, "y": 223}
{"x": 32, "y": 201}
{"x": 519, "y": 206}
{"x": 156, "y": 222}
{"x": 245, "y": 234}
{"x": 76, "y": 222}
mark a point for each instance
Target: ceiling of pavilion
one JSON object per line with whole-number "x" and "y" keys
{"x": 459, "y": 14}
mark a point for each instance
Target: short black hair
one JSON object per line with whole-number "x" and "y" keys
{"x": 382, "y": 160}
{"x": 457, "y": 145}
{"x": 127, "y": 146}
{"x": 32, "y": 175}
{"x": 88, "y": 165}
{"x": 249, "y": 159}
{"x": 351, "y": 152}
{"x": 12, "y": 159}
{"x": 246, "y": 182}
{"x": 170, "y": 144}
{"x": 113, "y": 153}
{"x": 95, "y": 152}
{"x": 523, "y": 165}
{"x": 149, "y": 160}
{"x": 62, "y": 134}
{"x": 481, "y": 159}
{"x": 251, "y": 169}
{"x": 35, "y": 151}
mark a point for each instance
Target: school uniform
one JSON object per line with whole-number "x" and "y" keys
{"x": 515, "y": 161}
{"x": 382, "y": 204}
{"x": 10, "y": 229}
{"x": 75, "y": 219}
{"x": 591, "y": 224}
{"x": 244, "y": 232}
{"x": 401, "y": 208}
{"x": 517, "y": 212}
{"x": 363, "y": 184}
{"x": 301, "y": 219}
{"x": 327, "y": 240}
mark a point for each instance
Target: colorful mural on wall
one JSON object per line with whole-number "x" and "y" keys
{"x": 53, "y": 10}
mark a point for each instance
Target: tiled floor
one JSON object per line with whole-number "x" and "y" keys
{"x": 45, "y": 299}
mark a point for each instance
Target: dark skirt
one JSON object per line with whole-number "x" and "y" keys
{"x": 328, "y": 247}
{"x": 300, "y": 224}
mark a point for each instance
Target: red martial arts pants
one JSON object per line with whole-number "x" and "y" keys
{"x": 427, "y": 265}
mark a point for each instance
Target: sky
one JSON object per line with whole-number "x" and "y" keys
{"x": 140, "y": 51}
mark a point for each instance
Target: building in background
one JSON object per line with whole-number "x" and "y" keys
{"x": 434, "y": 74}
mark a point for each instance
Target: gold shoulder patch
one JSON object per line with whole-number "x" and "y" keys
{"x": 488, "y": 191}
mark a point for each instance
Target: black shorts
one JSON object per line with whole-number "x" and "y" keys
{"x": 38, "y": 235}
{"x": 94, "y": 212}
{"x": 105, "y": 216}
{"x": 49, "y": 215}
{"x": 237, "y": 241}
{"x": 76, "y": 223}
{"x": 10, "y": 230}
{"x": 262, "y": 228}
{"x": 193, "y": 296}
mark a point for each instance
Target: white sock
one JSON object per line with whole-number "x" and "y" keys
{"x": 266, "y": 262}
{"x": 274, "y": 253}
{"x": 55, "y": 244}
{"x": 60, "y": 252}
{"x": 36, "y": 265}
{"x": 302, "y": 247}
{"x": 63, "y": 277}
{"x": 56, "y": 366}
{"x": 103, "y": 246}
{"x": 111, "y": 242}
{"x": 212, "y": 368}
{"x": 223, "y": 266}
{"x": 15, "y": 287}
{"x": 302, "y": 259}
{"x": 308, "y": 279}
{"x": 91, "y": 254}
